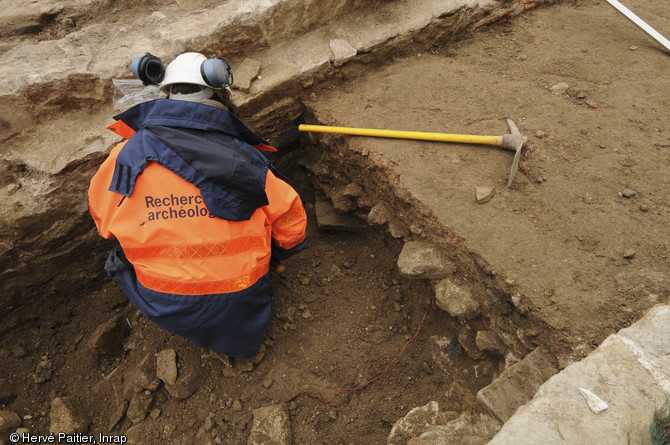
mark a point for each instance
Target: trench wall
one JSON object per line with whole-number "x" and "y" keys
{"x": 339, "y": 165}
{"x": 52, "y": 131}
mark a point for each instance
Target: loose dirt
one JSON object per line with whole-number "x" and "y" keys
{"x": 581, "y": 237}
{"x": 343, "y": 318}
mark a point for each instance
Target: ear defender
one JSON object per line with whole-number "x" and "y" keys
{"x": 148, "y": 68}
{"x": 216, "y": 72}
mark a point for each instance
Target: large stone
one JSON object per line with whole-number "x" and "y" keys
{"x": 416, "y": 422}
{"x": 184, "y": 387}
{"x": 107, "y": 339}
{"x": 488, "y": 341}
{"x": 9, "y": 421}
{"x": 649, "y": 340}
{"x": 455, "y": 300}
{"x": 330, "y": 219}
{"x": 516, "y": 385}
{"x": 468, "y": 429}
{"x": 68, "y": 417}
{"x": 118, "y": 414}
{"x": 341, "y": 202}
{"x": 342, "y": 51}
{"x": 380, "y": 213}
{"x": 419, "y": 259}
{"x": 271, "y": 426}
{"x": 136, "y": 434}
{"x": 246, "y": 73}
{"x": 617, "y": 374}
{"x": 139, "y": 406}
{"x": 203, "y": 437}
{"x": 166, "y": 366}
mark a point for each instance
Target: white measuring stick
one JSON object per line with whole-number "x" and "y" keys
{"x": 641, "y": 23}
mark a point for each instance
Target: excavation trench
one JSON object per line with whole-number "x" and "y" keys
{"x": 352, "y": 345}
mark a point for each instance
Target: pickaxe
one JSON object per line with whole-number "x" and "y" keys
{"x": 514, "y": 141}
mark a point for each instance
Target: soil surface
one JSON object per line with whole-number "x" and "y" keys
{"x": 581, "y": 238}
{"x": 588, "y": 215}
{"x": 352, "y": 346}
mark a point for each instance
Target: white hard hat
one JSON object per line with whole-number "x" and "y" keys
{"x": 196, "y": 69}
{"x": 185, "y": 68}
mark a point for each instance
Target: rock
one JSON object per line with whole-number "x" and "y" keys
{"x": 592, "y": 104}
{"x": 184, "y": 387}
{"x": 468, "y": 429}
{"x": 271, "y": 426}
{"x": 22, "y": 431}
{"x": 398, "y": 229}
{"x": 118, "y": 414}
{"x": 208, "y": 424}
{"x": 341, "y": 202}
{"x": 353, "y": 190}
{"x": 419, "y": 259}
{"x": 330, "y": 219}
{"x": 489, "y": 341}
{"x": 628, "y": 193}
{"x": 342, "y": 51}
{"x": 136, "y": 435}
{"x": 243, "y": 365}
{"x": 416, "y": 422}
{"x": 7, "y": 391}
{"x": 139, "y": 406}
{"x": 203, "y": 437}
{"x": 137, "y": 379}
{"x": 466, "y": 338}
{"x": 166, "y": 366}
{"x": 628, "y": 253}
{"x": 9, "y": 421}
{"x": 484, "y": 194}
{"x": 455, "y": 300}
{"x": 516, "y": 385}
{"x": 67, "y": 417}
{"x": 107, "y": 339}
{"x": 237, "y": 405}
{"x": 628, "y": 371}
{"x": 559, "y": 88}
{"x": 460, "y": 392}
{"x": 596, "y": 404}
{"x": 256, "y": 359}
{"x": 246, "y": 73}
{"x": 380, "y": 213}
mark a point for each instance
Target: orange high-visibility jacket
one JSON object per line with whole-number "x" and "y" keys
{"x": 177, "y": 245}
{"x": 197, "y": 210}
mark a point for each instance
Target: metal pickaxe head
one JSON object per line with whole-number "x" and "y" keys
{"x": 514, "y": 142}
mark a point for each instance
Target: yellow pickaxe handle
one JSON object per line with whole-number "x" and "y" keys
{"x": 419, "y": 135}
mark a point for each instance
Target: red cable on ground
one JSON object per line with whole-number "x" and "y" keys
{"x": 346, "y": 389}
{"x": 519, "y": 7}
